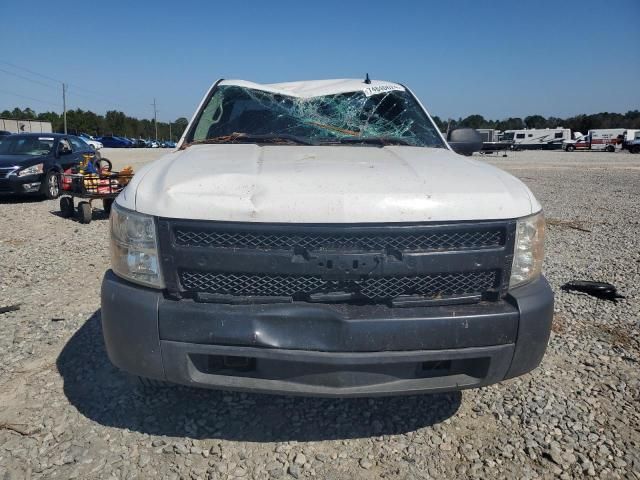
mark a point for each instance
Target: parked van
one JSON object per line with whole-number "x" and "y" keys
{"x": 537, "y": 138}
{"x": 322, "y": 238}
{"x": 608, "y": 140}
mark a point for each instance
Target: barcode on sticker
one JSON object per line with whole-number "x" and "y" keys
{"x": 376, "y": 89}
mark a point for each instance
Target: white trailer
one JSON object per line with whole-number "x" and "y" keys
{"x": 25, "y": 126}
{"x": 537, "y": 138}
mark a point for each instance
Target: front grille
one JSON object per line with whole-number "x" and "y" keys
{"x": 362, "y": 264}
{"x": 374, "y": 288}
{"x": 449, "y": 239}
{"x": 4, "y": 172}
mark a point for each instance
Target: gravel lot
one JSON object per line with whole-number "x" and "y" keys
{"x": 65, "y": 412}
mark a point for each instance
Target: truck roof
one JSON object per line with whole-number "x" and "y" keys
{"x": 316, "y": 88}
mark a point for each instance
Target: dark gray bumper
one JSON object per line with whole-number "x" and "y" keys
{"x": 15, "y": 185}
{"x": 325, "y": 350}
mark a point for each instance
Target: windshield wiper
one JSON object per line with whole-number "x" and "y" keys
{"x": 335, "y": 129}
{"x": 382, "y": 141}
{"x": 277, "y": 139}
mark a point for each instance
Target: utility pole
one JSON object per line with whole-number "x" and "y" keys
{"x": 155, "y": 117}
{"x": 64, "y": 106}
{"x": 170, "y": 137}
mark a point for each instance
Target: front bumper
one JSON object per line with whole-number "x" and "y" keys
{"x": 325, "y": 350}
{"x": 14, "y": 185}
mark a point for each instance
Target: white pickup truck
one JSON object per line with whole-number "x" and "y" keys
{"x": 322, "y": 238}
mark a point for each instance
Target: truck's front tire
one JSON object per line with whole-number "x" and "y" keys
{"x": 570, "y": 148}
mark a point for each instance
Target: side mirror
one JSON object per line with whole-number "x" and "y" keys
{"x": 465, "y": 141}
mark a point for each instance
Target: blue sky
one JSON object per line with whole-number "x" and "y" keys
{"x": 496, "y": 58}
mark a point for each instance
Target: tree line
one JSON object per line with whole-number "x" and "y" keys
{"x": 581, "y": 123}
{"x": 119, "y": 124}
{"x": 112, "y": 123}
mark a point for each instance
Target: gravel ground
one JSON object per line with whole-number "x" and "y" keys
{"x": 67, "y": 413}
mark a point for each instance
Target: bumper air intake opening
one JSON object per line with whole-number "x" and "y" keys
{"x": 474, "y": 368}
{"x": 223, "y": 364}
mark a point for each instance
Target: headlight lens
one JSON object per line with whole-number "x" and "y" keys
{"x": 134, "y": 247}
{"x": 528, "y": 251}
{"x": 32, "y": 170}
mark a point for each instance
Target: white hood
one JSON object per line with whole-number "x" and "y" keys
{"x": 325, "y": 184}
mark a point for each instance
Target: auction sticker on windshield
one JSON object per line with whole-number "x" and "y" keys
{"x": 368, "y": 91}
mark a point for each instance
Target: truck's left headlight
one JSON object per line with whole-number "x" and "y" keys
{"x": 528, "y": 252}
{"x": 134, "y": 247}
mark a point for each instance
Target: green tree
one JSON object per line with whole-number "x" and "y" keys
{"x": 511, "y": 123}
{"x": 115, "y": 122}
{"x": 474, "y": 121}
{"x": 535, "y": 121}
{"x": 179, "y": 126}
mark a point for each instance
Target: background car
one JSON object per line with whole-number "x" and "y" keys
{"x": 113, "y": 142}
{"x": 127, "y": 141}
{"x": 4, "y": 133}
{"x": 31, "y": 163}
{"x": 91, "y": 141}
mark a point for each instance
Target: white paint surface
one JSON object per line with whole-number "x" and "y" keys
{"x": 325, "y": 184}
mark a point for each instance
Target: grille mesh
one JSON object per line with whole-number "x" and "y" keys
{"x": 410, "y": 241}
{"x": 4, "y": 172}
{"x": 444, "y": 284}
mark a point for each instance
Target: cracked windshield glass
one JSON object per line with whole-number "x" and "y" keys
{"x": 237, "y": 114}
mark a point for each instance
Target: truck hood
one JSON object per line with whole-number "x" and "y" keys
{"x": 325, "y": 184}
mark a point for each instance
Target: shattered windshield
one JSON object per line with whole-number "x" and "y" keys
{"x": 236, "y": 114}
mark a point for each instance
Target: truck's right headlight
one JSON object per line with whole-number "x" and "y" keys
{"x": 134, "y": 247}
{"x": 528, "y": 252}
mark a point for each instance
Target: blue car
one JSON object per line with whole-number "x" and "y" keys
{"x": 114, "y": 142}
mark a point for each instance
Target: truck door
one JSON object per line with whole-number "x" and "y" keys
{"x": 583, "y": 143}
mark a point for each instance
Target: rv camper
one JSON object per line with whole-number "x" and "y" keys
{"x": 601, "y": 139}
{"x": 537, "y": 138}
